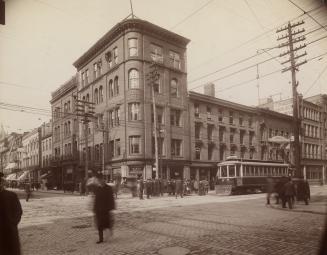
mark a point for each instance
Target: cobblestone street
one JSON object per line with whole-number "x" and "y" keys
{"x": 202, "y": 224}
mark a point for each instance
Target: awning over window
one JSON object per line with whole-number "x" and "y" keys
{"x": 11, "y": 166}
{"x": 11, "y": 177}
{"x": 24, "y": 176}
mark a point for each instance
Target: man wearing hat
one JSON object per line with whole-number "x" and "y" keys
{"x": 10, "y": 215}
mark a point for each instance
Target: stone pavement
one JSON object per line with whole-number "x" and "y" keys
{"x": 201, "y": 224}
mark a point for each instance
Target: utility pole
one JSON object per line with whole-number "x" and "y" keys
{"x": 292, "y": 39}
{"x": 154, "y": 76}
{"x": 85, "y": 110}
{"x": 104, "y": 130}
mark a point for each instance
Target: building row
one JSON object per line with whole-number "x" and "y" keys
{"x": 104, "y": 116}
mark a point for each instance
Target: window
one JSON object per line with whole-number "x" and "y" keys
{"x": 241, "y": 120}
{"x": 95, "y": 70}
{"x": 160, "y": 115}
{"x": 197, "y": 152}
{"x": 231, "y": 118}
{"x": 86, "y": 76}
{"x": 197, "y": 130}
{"x": 116, "y": 55}
{"x": 208, "y": 113}
{"x": 111, "y": 89}
{"x": 83, "y": 78}
{"x": 210, "y": 152}
{"x": 101, "y": 94}
{"x": 96, "y": 96}
{"x": 220, "y": 115}
{"x": 242, "y": 136}
{"x": 210, "y": 130}
{"x": 134, "y": 144}
{"x": 156, "y": 53}
{"x": 231, "y": 138}
{"x": 176, "y": 146}
{"x": 175, "y": 60}
{"x": 175, "y": 117}
{"x": 251, "y": 138}
{"x": 133, "y": 79}
{"x": 111, "y": 149}
{"x": 108, "y": 57}
{"x": 270, "y": 133}
{"x": 157, "y": 85}
{"x": 117, "y": 147}
{"x": 174, "y": 88}
{"x": 111, "y": 118}
{"x": 221, "y": 135}
{"x": 134, "y": 111}
{"x": 250, "y": 122}
{"x": 196, "y": 110}
{"x": 132, "y": 47}
{"x": 116, "y": 86}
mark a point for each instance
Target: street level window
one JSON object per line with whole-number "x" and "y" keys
{"x": 176, "y": 147}
{"x": 156, "y": 53}
{"x": 134, "y": 111}
{"x": 134, "y": 144}
{"x": 133, "y": 79}
{"x": 132, "y": 47}
{"x": 174, "y": 91}
{"x": 175, "y": 60}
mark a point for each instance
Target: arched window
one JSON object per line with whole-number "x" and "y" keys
{"x": 174, "y": 92}
{"x": 111, "y": 89}
{"x": 101, "y": 94}
{"x": 133, "y": 79}
{"x": 96, "y": 96}
{"x": 116, "y": 86}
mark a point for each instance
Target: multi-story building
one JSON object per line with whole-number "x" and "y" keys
{"x": 113, "y": 75}
{"x": 31, "y": 156}
{"x": 220, "y": 128}
{"x": 64, "y": 161}
{"x": 46, "y": 148}
{"x": 9, "y": 153}
{"x": 312, "y": 112}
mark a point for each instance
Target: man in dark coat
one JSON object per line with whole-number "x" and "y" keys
{"x": 303, "y": 190}
{"x": 10, "y": 215}
{"x": 179, "y": 188}
{"x": 103, "y": 203}
{"x": 289, "y": 191}
{"x": 140, "y": 187}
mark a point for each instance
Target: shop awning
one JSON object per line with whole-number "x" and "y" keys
{"x": 11, "y": 177}
{"x": 11, "y": 166}
{"x": 24, "y": 176}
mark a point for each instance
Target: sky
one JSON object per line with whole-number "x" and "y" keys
{"x": 42, "y": 39}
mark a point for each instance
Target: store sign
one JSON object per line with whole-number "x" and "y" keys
{"x": 135, "y": 170}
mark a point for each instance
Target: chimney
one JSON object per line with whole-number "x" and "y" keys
{"x": 209, "y": 89}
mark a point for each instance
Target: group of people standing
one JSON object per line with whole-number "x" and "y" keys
{"x": 287, "y": 191}
{"x": 175, "y": 187}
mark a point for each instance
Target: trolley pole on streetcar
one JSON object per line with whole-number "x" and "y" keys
{"x": 292, "y": 37}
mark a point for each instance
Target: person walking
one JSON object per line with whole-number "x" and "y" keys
{"x": 270, "y": 189}
{"x": 28, "y": 191}
{"x": 10, "y": 215}
{"x": 303, "y": 191}
{"x": 104, "y": 203}
{"x": 179, "y": 188}
{"x": 289, "y": 192}
{"x": 140, "y": 187}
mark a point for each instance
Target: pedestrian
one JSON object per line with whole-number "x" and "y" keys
{"x": 104, "y": 203}
{"x": 179, "y": 188}
{"x": 140, "y": 187}
{"x": 10, "y": 215}
{"x": 148, "y": 188}
{"x": 289, "y": 191}
{"x": 28, "y": 191}
{"x": 303, "y": 191}
{"x": 270, "y": 189}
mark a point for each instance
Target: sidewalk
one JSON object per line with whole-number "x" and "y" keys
{"x": 317, "y": 203}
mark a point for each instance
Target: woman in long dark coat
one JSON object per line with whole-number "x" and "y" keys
{"x": 103, "y": 204}
{"x": 10, "y": 215}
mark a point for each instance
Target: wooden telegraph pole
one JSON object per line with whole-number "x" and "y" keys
{"x": 293, "y": 37}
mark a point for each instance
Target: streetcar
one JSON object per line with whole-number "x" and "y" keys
{"x": 241, "y": 176}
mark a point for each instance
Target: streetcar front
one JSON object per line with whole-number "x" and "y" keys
{"x": 228, "y": 177}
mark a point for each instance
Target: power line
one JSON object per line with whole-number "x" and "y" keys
{"x": 317, "y": 79}
{"x": 193, "y": 13}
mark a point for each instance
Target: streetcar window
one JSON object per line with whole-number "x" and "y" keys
{"x": 224, "y": 171}
{"x": 237, "y": 170}
{"x": 231, "y": 171}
